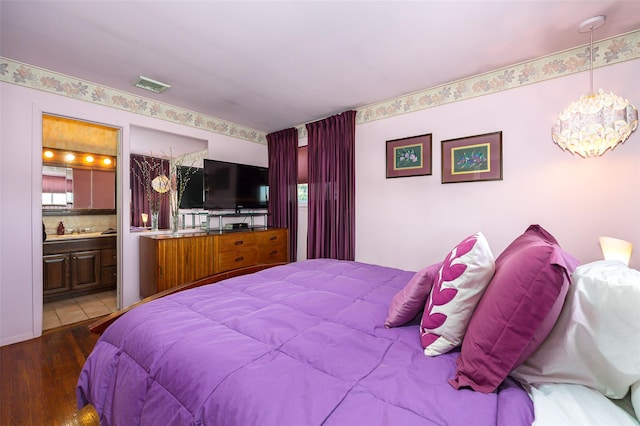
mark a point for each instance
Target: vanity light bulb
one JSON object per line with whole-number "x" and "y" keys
{"x": 69, "y": 157}
{"x": 48, "y": 154}
{"x": 88, "y": 159}
{"x": 107, "y": 161}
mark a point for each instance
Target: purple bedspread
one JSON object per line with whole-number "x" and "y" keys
{"x": 300, "y": 344}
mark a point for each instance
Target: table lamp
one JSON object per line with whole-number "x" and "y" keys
{"x": 616, "y": 249}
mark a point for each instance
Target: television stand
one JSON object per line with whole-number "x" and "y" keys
{"x": 236, "y": 226}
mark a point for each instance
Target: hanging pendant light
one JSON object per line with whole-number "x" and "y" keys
{"x": 598, "y": 121}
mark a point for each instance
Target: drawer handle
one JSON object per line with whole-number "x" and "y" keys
{"x": 274, "y": 252}
{"x": 159, "y": 271}
{"x": 239, "y": 243}
{"x": 273, "y": 238}
{"x": 239, "y": 259}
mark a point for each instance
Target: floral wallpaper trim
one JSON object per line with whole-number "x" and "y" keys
{"x": 606, "y": 52}
{"x": 609, "y": 51}
{"x": 49, "y": 81}
{"x": 192, "y": 158}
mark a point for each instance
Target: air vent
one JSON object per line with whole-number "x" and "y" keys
{"x": 151, "y": 85}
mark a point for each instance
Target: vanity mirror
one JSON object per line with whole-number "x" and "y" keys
{"x": 57, "y": 187}
{"x": 77, "y": 183}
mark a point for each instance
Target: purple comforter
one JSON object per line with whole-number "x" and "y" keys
{"x": 300, "y": 344}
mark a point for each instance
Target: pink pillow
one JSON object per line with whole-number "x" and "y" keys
{"x": 409, "y": 301}
{"x": 518, "y": 310}
{"x": 462, "y": 279}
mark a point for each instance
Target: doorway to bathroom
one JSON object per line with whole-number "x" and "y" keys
{"x": 79, "y": 217}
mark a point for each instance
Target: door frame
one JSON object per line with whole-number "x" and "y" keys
{"x": 36, "y": 191}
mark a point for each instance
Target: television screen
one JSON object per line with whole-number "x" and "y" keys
{"x": 234, "y": 186}
{"x": 193, "y": 195}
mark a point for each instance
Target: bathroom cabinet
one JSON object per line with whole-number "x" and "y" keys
{"x": 78, "y": 266}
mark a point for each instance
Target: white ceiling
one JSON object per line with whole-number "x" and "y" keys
{"x": 271, "y": 65}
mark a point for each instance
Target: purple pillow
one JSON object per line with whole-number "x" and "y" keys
{"x": 517, "y": 311}
{"x": 409, "y": 301}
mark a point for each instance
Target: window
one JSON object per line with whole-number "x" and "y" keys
{"x": 303, "y": 194}
{"x": 57, "y": 199}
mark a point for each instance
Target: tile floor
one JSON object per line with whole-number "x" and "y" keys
{"x": 70, "y": 311}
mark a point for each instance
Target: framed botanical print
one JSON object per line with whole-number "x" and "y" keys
{"x": 473, "y": 158}
{"x": 409, "y": 156}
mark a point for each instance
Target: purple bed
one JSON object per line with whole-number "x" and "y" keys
{"x": 299, "y": 344}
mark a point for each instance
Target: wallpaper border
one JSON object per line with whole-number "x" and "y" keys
{"x": 22, "y": 74}
{"x": 609, "y": 51}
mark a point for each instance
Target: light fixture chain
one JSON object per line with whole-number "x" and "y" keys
{"x": 591, "y": 60}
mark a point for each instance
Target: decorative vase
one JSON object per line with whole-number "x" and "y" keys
{"x": 154, "y": 220}
{"x": 174, "y": 223}
{"x": 174, "y": 201}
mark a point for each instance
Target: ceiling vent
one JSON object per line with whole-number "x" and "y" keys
{"x": 151, "y": 85}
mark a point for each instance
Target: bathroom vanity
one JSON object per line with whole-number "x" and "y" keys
{"x": 78, "y": 264}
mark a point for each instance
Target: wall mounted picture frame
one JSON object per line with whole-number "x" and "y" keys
{"x": 472, "y": 158}
{"x": 409, "y": 156}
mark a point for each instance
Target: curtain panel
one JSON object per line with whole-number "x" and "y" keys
{"x": 283, "y": 184}
{"x": 55, "y": 184}
{"x": 139, "y": 201}
{"x": 331, "y": 205}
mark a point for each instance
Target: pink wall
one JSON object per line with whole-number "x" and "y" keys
{"x": 411, "y": 222}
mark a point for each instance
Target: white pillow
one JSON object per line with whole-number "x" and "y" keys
{"x": 560, "y": 404}
{"x": 461, "y": 281}
{"x": 635, "y": 398}
{"x": 596, "y": 340}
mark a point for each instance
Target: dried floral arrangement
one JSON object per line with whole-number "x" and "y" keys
{"x": 151, "y": 174}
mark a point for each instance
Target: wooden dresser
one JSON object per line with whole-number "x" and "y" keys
{"x": 167, "y": 261}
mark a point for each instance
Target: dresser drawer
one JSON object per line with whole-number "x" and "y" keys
{"x": 236, "y": 241}
{"x": 271, "y": 238}
{"x": 108, "y": 275}
{"x": 236, "y": 259}
{"x": 273, "y": 253}
{"x": 109, "y": 257}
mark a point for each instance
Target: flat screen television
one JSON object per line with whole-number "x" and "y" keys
{"x": 193, "y": 195}
{"x": 234, "y": 186}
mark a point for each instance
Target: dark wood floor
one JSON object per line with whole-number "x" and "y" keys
{"x": 38, "y": 377}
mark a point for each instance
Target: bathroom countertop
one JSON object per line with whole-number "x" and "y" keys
{"x": 76, "y": 236}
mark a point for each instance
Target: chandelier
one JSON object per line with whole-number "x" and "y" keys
{"x": 598, "y": 121}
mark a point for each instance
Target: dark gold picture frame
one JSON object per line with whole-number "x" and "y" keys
{"x": 472, "y": 158}
{"x": 409, "y": 156}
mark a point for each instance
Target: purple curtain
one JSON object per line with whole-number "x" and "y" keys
{"x": 283, "y": 184}
{"x": 139, "y": 201}
{"x": 332, "y": 187}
